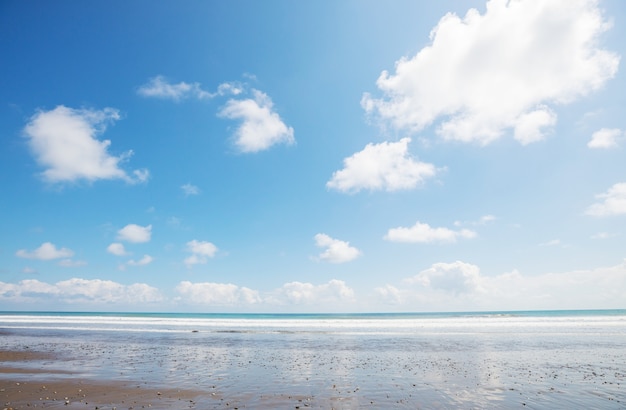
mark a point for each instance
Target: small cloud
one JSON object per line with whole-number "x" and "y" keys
{"x": 261, "y": 127}
{"x": 385, "y": 166}
{"x": 336, "y": 251}
{"x": 141, "y": 262}
{"x": 47, "y": 251}
{"x": 189, "y": 189}
{"x": 605, "y": 138}
{"x": 613, "y": 202}
{"x": 29, "y": 271}
{"x": 423, "y": 233}
{"x": 200, "y": 252}
{"x": 117, "y": 249}
{"x": 64, "y": 142}
{"x": 553, "y": 242}
{"x": 135, "y": 233}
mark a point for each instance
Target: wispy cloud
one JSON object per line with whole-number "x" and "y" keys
{"x": 160, "y": 87}
{"x": 385, "y": 166}
{"x": 70, "y": 263}
{"x": 553, "y": 242}
{"x": 145, "y": 260}
{"x": 189, "y": 189}
{"x": 485, "y": 219}
{"x": 64, "y": 142}
{"x": 485, "y": 74}
{"x": 603, "y": 235}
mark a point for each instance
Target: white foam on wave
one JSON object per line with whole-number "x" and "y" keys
{"x": 344, "y": 325}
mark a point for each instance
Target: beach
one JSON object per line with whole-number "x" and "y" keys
{"x": 290, "y": 361}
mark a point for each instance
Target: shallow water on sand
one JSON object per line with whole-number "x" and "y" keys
{"x": 473, "y": 362}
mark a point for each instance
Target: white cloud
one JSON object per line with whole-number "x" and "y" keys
{"x": 219, "y": 294}
{"x": 145, "y": 260}
{"x": 200, "y": 251}
{"x": 385, "y": 166}
{"x": 160, "y": 87}
{"x": 135, "y": 233}
{"x": 461, "y": 286}
{"x": 189, "y": 189}
{"x": 605, "y": 138}
{"x": 64, "y": 142}
{"x": 47, "y": 251}
{"x": 299, "y": 293}
{"x": 261, "y": 127}
{"x": 457, "y": 277}
{"x": 423, "y": 233}
{"x": 336, "y": 251}
{"x": 485, "y": 74}
{"x": 333, "y": 293}
{"x": 77, "y": 290}
{"x": 614, "y": 202}
{"x": 117, "y": 249}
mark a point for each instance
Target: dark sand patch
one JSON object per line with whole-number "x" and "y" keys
{"x": 87, "y": 394}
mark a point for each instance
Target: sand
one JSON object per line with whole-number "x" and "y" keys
{"x": 64, "y": 389}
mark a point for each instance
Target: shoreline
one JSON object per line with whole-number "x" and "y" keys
{"x": 458, "y": 363}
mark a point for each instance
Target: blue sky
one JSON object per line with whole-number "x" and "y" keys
{"x": 319, "y": 156}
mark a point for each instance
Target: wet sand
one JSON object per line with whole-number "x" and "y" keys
{"x": 47, "y": 387}
{"x": 577, "y": 367}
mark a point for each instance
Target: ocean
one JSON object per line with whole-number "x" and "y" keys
{"x": 533, "y": 359}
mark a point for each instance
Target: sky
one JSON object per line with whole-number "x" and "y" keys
{"x": 324, "y": 156}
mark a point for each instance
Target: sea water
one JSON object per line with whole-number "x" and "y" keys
{"x": 556, "y": 359}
